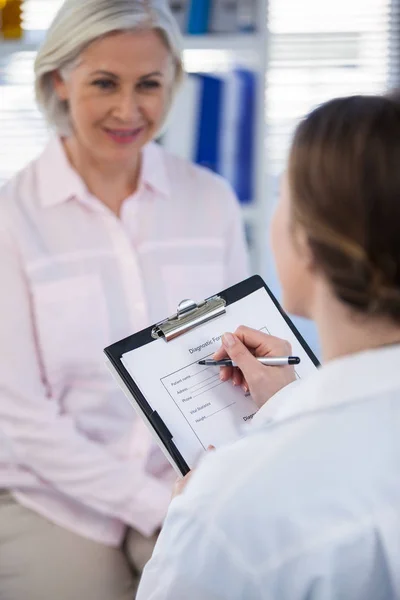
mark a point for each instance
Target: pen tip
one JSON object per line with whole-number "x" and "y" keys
{"x": 201, "y": 362}
{"x": 296, "y": 360}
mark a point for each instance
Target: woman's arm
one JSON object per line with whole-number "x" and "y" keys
{"x": 42, "y": 439}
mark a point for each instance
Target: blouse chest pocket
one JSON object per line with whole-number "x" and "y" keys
{"x": 72, "y": 324}
{"x": 191, "y": 282}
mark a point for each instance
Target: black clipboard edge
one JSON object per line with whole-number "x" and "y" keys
{"x": 153, "y": 418}
{"x": 115, "y": 351}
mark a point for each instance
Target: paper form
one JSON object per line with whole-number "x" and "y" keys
{"x": 196, "y": 406}
{"x": 211, "y": 410}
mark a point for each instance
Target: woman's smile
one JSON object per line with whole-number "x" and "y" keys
{"x": 124, "y": 136}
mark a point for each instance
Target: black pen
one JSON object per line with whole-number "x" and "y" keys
{"x": 272, "y": 361}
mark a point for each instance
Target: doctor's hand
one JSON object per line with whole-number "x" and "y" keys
{"x": 180, "y": 485}
{"x": 181, "y": 482}
{"x": 242, "y": 347}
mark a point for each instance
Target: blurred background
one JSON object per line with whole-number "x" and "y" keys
{"x": 255, "y": 68}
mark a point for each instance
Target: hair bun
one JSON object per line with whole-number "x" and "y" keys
{"x": 385, "y": 300}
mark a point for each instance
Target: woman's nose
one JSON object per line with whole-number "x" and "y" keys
{"x": 126, "y": 107}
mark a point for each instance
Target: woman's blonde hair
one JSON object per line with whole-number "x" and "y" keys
{"x": 79, "y": 23}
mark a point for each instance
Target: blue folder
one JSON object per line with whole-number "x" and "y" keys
{"x": 199, "y": 14}
{"x": 244, "y": 171}
{"x": 209, "y": 122}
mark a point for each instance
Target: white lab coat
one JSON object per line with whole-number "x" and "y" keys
{"x": 305, "y": 507}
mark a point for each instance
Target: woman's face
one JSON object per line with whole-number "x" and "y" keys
{"x": 118, "y": 94}
{"x": 292, "y": 258}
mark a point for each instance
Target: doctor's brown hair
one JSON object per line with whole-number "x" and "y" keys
{"x": 344, "y": 178}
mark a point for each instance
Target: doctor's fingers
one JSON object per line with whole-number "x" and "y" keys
{"x": 258, "y": 342}
{"x": 249, "y": 369}
{"x": 261, "y": 343}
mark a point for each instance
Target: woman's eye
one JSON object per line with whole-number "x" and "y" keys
{"x": 104, "y": 84}
{"x": 149, "y": 84}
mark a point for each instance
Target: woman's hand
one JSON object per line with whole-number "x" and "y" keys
{"x": 242, "y": 347}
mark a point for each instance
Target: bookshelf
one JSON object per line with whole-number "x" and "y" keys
{"x": 250, "y": 50}
{"x": 29, "y": 43}
{"x": 228, "y": 43}
{"x": 243, "y": 49}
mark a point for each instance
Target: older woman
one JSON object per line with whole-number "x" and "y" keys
{"x": 101, "y": 235}
{"x": 307, "y": 506}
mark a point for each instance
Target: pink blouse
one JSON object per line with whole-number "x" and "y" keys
{"x": 74, "y": 279}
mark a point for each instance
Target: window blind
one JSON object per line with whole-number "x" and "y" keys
{"x": 23, "y": 132}
{"x": 320, "y": 50}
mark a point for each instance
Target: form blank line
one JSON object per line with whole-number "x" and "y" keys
{"x": 217, "y": 411}
{"x": 211, "y": 388}
{"x": 204, "y": 384}
{"x": 203, "y": 380}
{"x": 194, "y": 374}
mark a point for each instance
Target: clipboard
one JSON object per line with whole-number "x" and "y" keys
{"x": 189, "y": 316}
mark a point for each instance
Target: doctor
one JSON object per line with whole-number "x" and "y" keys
{"x": 101, "y": 235}
{"x": 307, "y": 506}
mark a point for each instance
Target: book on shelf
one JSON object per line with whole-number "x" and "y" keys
{"x": 209, "y": 131}
{"x": 199, "y": 17}
{"x": 245, "y": 157}
{"x": 212, "y": 123}
{"x": 224, "y": 16}
{"x": 247, "y": 16}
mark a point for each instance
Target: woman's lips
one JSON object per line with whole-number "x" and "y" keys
{"x": 123, "y": 136}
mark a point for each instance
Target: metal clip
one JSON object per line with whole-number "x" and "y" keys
{"x": 188, "y": 316}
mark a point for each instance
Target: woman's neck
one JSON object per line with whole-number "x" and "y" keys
{"x": 343, "y": 332}
{"x": 109, "y": 183}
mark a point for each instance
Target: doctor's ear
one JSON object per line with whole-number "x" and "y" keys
{"x": 303, "y": 248}
{"x": 60, "y": 85}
